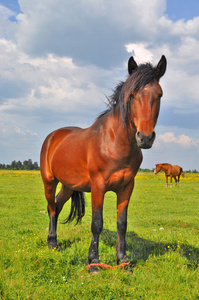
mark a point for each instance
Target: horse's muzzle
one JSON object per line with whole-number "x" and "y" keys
{"x": 143, "y": 141}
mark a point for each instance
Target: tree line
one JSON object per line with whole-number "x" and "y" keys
{"x": 18, "y": 165}
{"x": 187, "y": 171}
{"x": 29, "y": 165}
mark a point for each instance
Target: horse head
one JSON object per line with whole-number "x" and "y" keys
{"x": 144, "y": 94}
{"x": 158, "y": 168}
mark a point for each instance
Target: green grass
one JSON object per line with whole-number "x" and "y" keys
{"x": 162, "y": 243}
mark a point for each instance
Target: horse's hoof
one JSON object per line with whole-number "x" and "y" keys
{"x": 94, "y": 270}
{"x": 128, "y": 269}
{"x": 52, "y": 242}
{"x": 123, "y": 264}
{"x": 52, "y": 245}
{"x": 93, "y": 267}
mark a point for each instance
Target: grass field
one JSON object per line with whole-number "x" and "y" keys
{"x": 162, "y": 243}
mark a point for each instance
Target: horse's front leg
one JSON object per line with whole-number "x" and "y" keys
{"x": 166, "y": 180}
{"x": 123, "y": 198}
{"x": 171, "y": 181}
{"x": 97, "y": 196}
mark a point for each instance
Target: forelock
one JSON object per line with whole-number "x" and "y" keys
{"x": 142, "y": 76}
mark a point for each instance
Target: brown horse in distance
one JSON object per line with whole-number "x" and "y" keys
{"x": 104, "y": 157}
{"x": 172, "y": 171}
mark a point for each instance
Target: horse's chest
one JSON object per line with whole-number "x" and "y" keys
{"x": 118, "y": 179}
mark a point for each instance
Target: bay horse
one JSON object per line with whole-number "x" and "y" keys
{"x": 104, "y": 157}
{"x": 172, "y": 171}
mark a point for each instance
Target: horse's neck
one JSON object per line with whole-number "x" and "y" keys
{"x": 166, "y": 168}
{"x": 124, "y": 137}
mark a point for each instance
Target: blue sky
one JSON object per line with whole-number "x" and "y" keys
{"x": 182, "y": 9}
{"x": 11, "y": 4}
{"x": 60, "y": 58}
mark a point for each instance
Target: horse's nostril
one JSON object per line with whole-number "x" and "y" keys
{"x": 139, "y": 136}
{"x": 145, "y": 141}
{"x": 152, "y": 136}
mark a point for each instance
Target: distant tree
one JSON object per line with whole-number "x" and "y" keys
{"x": 18, "y": 165}
{"x": 13, "y": 165}
{"x": 30, "y": 165}
{"x": 25, "y": 165}
{"x": 35, "y": 165}
{"x": 145, "y": 170}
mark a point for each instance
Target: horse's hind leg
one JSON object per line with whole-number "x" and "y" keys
{"x": 178, "y": 179}
{"x": 50, "y": 189}
{"x": 175, "y": 181}
{"x": 55, "y": 205}
{"x": 61, "y": 198}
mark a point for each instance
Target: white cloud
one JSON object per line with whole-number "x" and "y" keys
{"x": 140, "y": 52}
{"x": 5, "y": 13}
{"x": 81, "y": 29}
{"x": 42, "y": 93}
{"x": 7, "y": 29}
{"x": 49, "y": 81}
{"x": 169, "y": 138}
{"x": 181, "y": 27}
{"x": 26, "y": 132}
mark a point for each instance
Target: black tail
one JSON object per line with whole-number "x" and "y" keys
{"x": 77, "y": 207}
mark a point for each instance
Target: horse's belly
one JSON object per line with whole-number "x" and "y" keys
{"x": 71, "y": 171}
{"x": 74, "y": 180}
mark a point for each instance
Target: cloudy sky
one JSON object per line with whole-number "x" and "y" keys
{"x": 59, "y": 59}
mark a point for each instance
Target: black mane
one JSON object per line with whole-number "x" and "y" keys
{"x": 144, "y": 74}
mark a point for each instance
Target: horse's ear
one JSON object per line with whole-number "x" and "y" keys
{"x": 132, "y": 65}
{"x": 161, "y": 67}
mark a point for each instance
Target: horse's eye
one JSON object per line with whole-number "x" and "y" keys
{"x": 132, "y": 96}
{"x": 159, "y": 97}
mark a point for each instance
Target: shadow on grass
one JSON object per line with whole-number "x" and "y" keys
{"x": 140, "y": 249}
{"x": 64, "y": 244}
